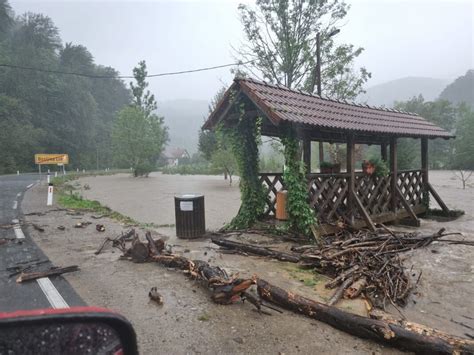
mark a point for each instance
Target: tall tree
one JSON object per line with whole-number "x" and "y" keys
{"x": 281, "y": 42}
{"x": 139, "y": 135}
{"x": 6, "y": 18}
{"x": 141, "y": 97}
{"x": 464, "y": 149}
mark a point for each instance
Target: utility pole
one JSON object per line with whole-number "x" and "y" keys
{"x": 316, "y": 80}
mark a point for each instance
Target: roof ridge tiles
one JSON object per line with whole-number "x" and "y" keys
{"x": 324, "y": 97}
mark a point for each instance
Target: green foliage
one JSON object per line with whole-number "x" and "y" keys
{"x": 224, "y": 160}
{"x": 49, "y": 113}
{"x": 139, "y": 136}
{"x": 244, "y": 139}
{"x": 209, "y": 141}
{"x": 301, "y": 215}
{"x": 464, "y": 147}
{"x": 18, "y": 138}
{"x": 381, "y": 167}
{"x": 141, "y": 98}
{"x": 440, "y": 112}
{"x": 138, "y": 140}
{"x": 281, "y": 39}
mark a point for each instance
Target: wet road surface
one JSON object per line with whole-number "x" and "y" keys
{"x": 17, "y": 249}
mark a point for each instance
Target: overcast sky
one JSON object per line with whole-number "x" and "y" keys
{"x": 429, "y": 38}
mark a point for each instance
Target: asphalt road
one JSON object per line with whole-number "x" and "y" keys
{"x": 17, "y": 249}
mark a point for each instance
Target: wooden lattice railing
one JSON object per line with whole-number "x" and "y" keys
{"x": 328, "y": 193}
{"x": 410, "y": 183}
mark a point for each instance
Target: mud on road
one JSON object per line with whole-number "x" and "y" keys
{"x": 189, "y": 322}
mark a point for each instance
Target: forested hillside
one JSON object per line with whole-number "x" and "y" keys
{"x": 45, "y": 112}
{"x": 386, "y": 94}
{"x": 461, "y": 90}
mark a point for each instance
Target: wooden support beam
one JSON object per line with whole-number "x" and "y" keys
{"x": 394, "y": 172}
{"x": 363, "y": 211}
{"x": 350, "y": 164}
{"x": 407, "y": 206}
{"x": 438, "y": 199}
{"x": 321, "y": 153}
{"x": 424, "y": 171}
{"x": 383, "y": 151}
{"x": 307, "y": 153}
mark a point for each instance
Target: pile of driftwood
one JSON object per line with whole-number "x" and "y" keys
{"x": 359, "y": 262}
{"x": 368, "y": 262}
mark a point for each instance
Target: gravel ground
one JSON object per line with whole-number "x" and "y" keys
{"x": 189, "y": 322}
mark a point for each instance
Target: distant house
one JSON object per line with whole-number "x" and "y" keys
{"x": 173, "y": 156}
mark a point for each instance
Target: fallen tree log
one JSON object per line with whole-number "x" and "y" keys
{"x": 340, "y": 291}
{"x": 253, "y": 249}
{"x": 52, "y": 272}
{"x": 403, "y": 335}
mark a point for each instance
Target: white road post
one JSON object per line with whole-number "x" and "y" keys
{"x": 48, "y": 177}
{"x": 55, "y": 174}
{"x": 50, "y": 195}
{"x": 18, "y": 172}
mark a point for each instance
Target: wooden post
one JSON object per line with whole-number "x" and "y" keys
{"x": 307, "y": 153}
{"x": 321, "y": 153}
{"x": 350, "y": 165}
{"x": 394, "y": 173}
{"x": 424, "y": 171}
{"x": 383, "y": 151}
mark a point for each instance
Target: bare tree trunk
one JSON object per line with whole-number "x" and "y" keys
{"x": 401, "y": 334}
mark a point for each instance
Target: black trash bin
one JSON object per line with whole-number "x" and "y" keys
{"x": 190, "y": 216}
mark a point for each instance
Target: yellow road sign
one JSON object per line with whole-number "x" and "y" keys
{"x": 51, "y": 159}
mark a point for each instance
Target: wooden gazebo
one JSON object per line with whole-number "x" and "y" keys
{"x": 351, "y": 196}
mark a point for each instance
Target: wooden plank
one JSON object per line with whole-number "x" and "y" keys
{"x": 406, "y": 205}
{"x": 393, "y": 170}
{"x": 52, "y": 272}
{"x": 351, "y": 179}
{"x": 424, "y": 170}
{"x": 438, "y": 199}
{"x": 362, "y": 210}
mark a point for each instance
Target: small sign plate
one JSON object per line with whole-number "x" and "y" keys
{"x": 186, "y": 205}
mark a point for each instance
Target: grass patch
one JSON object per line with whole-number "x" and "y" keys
{"x": 308, "y": 277}
{"x": 204, "y": 317}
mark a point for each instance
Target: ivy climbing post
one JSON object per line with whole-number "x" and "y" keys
{"x": 301, "y": 215}
{"x": 244, "y": 138}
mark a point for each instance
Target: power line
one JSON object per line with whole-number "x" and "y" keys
{"x": 92, "y": 76}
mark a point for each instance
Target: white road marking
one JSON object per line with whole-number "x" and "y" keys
{"x": 15, "y": 204}
{"x": 18, "y": 232}
{"x": 52, "y": 293}
{"x": 15, "y": 221}
{"x": 30, "y": 185}
{"x": 18, "y": 194}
